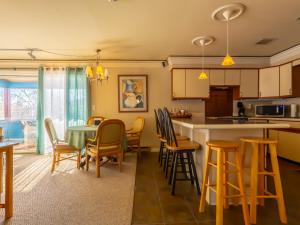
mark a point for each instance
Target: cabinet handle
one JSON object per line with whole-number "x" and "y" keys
{"x": 290, "y": 91}
{"x": 260, "y": 94}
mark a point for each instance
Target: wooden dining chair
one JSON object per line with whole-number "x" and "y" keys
{"x": 60, "y": 147}
{"x": 134, "y": 134}
{"x": 92, "y": 120}
{"x": 109, "y": 140}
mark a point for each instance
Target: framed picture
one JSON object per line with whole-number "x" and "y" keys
{"x": 133, "y": 93}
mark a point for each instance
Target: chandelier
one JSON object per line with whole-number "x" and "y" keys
{"x": 98, "y": 73}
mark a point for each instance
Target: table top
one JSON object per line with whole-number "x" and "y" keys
{"x": 7, "y": 143}
{"x": 205, "y": 123}
{"x": 83, "y": 128}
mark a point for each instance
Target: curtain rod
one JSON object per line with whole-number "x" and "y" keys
{"x": 18, "y": 68}
{"x": 18, "y": 75}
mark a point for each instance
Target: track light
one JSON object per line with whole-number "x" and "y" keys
{"x": 30, "y": 53}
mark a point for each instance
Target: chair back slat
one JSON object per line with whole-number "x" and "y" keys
{"x": 51, "y": 131}
{"x": 170, "y": 132}
{"x": 161, "y": 119}
{"x": 157, "y": 123}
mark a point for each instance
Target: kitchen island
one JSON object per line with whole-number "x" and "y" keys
{"x": 201, "y": 130}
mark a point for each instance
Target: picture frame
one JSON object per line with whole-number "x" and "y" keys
{"x": 133, "y": 93}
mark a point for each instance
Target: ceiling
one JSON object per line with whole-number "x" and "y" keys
{"x": 143, "y": 29}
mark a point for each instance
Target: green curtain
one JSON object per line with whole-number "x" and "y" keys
{"x": 40, "y": 112}
{"x": 77, "y": 97}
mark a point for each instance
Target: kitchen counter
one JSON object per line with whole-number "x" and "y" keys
{"x": 291, "y": 119}
{"x": 204, "y": 123}
{"x": 202, "y": 129}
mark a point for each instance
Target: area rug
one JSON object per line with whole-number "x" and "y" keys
{"x": 70, "y": 196}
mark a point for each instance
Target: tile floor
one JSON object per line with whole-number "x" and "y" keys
{"x": 154, "y": 205}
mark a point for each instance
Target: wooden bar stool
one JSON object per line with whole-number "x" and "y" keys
{"x": 164, "y": 155}
{"x": 179, "y": 150}
{"x": 222, "y": 148}
{"x": 258, "y": 173}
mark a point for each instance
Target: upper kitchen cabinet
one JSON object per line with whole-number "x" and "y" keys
{"x": 269, "y": 82}
{"x": 285, "y": 80}
{"x": 232, "y": 77}
{"x": 217, "y": 77}
{"x": 178, "y": 83}
{"x": 186, "y": 85}
{"x": 249, "y": 83}
{"x": 196, "y": 88}
{"x": 289, "y": 80}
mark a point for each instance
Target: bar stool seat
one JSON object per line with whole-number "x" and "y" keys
{"x": 223, "y": 144}
{"x": 222, "y": 148}
{"x": 258, "y": 140}
{"x": 183, "y": 145}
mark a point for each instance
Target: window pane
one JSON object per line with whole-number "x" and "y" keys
{"x": 23, "y": 103}
{"x": 1, "y": 103}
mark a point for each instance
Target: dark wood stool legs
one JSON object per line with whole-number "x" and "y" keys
{"x": 180, "y": 161}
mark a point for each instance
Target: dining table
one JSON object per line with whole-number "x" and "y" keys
{"x": 77, "y": 136}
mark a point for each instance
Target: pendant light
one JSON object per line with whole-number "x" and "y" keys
{"x": 202, "y": 41}
{"x": 202, "y": 75}
{"x": 100, "y": 73}
{"x": 226, "y": 13}
{"x": 228, "y": 60}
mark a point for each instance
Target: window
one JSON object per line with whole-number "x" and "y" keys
{"x": 23, "y": 103}
{"x": 18, "y": 107}
{"x": 2, "y": 103}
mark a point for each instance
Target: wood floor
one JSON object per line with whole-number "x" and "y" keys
{"x": 154, "y": 205}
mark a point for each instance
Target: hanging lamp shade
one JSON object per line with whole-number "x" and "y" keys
{"x": 228, "y": 61}
{"x": 202, "y": 76}
{"x": 89, "y": 72}
{"x": 99, "y": 70}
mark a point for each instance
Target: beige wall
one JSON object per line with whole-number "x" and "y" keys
{"x": 104, "y": 99}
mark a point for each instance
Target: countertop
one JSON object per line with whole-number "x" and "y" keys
{"x": 291, "y": 119}
{"x": 204, "y": 123}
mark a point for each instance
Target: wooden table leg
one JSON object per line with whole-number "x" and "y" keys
{"x": 9, "y": 183}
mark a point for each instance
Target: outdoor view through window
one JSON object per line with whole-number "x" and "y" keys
{"x": 18, "y": 106}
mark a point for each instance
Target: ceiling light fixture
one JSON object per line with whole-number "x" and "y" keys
{"x": 228, "y": 60}
{"x": 226, "y": 13}
{"x": 98, "y": 73}
{"x": 203, "y": 41}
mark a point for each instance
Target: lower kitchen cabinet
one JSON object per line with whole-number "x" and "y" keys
{"x": 288, "y": 144}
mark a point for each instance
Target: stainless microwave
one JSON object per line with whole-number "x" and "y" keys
{"x": 270, "y": 110}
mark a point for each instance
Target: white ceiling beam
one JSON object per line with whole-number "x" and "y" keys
{"x": 215, "y": 62}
